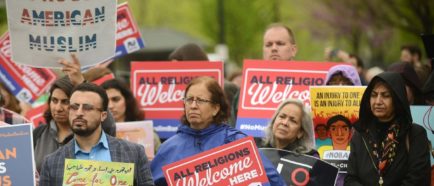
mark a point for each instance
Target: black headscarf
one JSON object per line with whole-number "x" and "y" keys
{"x": 399, "y": 96}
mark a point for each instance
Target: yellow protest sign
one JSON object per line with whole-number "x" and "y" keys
{"x": 87, "y": 172}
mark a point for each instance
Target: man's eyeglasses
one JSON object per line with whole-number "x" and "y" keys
{"x": 199, "y": 101}
{"x": 85, "y": 107}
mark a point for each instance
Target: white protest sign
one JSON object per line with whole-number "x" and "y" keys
{"x": 44, "y": 31}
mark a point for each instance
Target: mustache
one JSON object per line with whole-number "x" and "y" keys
{"x": 79, "y": 119}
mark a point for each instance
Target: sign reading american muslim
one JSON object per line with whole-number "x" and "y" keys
{"x": 43, "y": 32}
{"x": 159, "y": 89}
{"x": 235, "y": 163}
{"x": 266, "y": 84}
{"x": 26, "y": 83}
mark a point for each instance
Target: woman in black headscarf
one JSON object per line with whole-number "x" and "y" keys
{"x": 387, "y": 148}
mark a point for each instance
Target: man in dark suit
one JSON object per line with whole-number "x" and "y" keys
{"x": 88, "y": 107}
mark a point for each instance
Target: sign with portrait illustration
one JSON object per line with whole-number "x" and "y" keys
{"x": 43, "y": 32}
{"x": 266, "y": 84}
{"x": 128, "y": 37}
{"x": 140, "y": 132}
{"x": 159, "y": 88}
{"x": 16, "y": 155}
{"x": 334, "y": 111}
{"x": 424, "y": 116}
{"x": 25, "y": 83}
{"x": 299, "y": 169}
{"x": 235, "y": 163}
{"x": 97, "y": 173}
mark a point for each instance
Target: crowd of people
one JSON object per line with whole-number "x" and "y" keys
{"x": 386, "y": 148}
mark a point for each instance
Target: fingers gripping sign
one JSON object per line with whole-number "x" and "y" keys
{"x": 73, "y": 70}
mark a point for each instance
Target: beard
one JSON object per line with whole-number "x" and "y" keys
{"x": 84, "y": 130}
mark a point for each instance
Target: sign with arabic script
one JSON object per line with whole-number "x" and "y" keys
{"x": 160, "y": 86}
{"x": 266, "y": 84}
{"x": 236, "y": 163}
{"x": 87, "y": 172}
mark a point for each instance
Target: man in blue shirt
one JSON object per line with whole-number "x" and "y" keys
{"x": 88, "y": 107}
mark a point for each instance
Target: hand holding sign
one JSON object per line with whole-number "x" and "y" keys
{"x": 72, "y": 70}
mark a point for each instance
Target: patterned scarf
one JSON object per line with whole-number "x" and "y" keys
{"x": 386, "y": 151}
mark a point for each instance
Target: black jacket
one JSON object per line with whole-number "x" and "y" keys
{"x": 411, "y": 165}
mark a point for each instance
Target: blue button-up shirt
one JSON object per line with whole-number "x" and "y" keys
{"x": 99, "y": 152}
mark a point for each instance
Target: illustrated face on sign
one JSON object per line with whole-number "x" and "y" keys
{"x": 287, "y": 125}
{"x": 321, "y": 131}
{"x": 340, "y": 134}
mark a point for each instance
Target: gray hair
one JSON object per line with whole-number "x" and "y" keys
{"x": 305, "y": 144}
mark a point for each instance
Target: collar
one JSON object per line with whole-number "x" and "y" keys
{"x": 102, "y": 142}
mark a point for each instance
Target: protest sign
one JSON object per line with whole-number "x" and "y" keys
{"x": 140, "y": 132}
{"x": 299, "y": 169}
{"x": 335, "y": 108}
{"x": 235, "y": 163}
{"x": 128, "y": 37}
{"x": 16, "y": 155}
{"x": 26, "y": 83}
{"x": 104, "y": 79}
{"x": 97, "y": 173}
{"x": 36, "y": 115}
{"x": 424, "y": 116}
{"x": 266, "y": 84}
{"x": 43, "y": 32}
{"x": 159, "y": 89}
{"x": 11, "y": 117}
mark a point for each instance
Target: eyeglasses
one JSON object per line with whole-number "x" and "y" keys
{"x": 85, "y": 107}
{"x": 199, "y": 101}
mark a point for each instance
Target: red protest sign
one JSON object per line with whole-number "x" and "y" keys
{"x": 128, "y": 37}
{"x": 104, "y": 79}
{"x": 266, "y": 84}
{"x": 26, "y": 83}
{"x": 36, "y": 115}
{"x": 159, "y": 88}
{"x": 236, "y": 163}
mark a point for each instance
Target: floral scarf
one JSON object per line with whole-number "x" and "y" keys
{"x": 386, "y": 150}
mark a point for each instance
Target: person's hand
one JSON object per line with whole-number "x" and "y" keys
{"x": 73, "y": 70}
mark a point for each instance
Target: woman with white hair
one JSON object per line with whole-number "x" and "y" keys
{"x": 291, "y": 129}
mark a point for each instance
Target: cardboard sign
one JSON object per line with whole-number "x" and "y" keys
{"x": 36, "y": 115}
{"x": 266, "y": 84}
{"x": 235, "y": 163}
{"x": 159, "y": 88}
{"x": 43, "y": 32}
{"x": 87, "y": 173}
{"x": 140, "y": 132}
{"x": 128, "y": 37}
{"x": 16, "y": 155}
{"x": 424, "y": 116}
{"x": 26, "y": 83}
{"x": 299, "y": 169}
{"x": 334, "y": 110}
